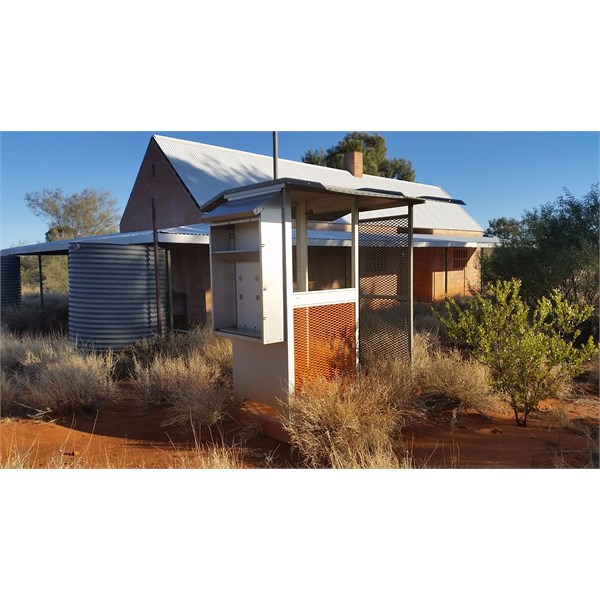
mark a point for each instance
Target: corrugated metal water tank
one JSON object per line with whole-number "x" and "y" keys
{"x": 112, "y": 294}
{"x": 10, "y": 282}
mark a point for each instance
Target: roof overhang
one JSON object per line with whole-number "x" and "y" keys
{"x": 187, "y": 234}
{"x": 323, "y": 203}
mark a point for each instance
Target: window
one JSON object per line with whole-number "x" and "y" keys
{"x": 460, "y": 258}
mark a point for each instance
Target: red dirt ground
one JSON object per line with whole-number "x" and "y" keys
{"x": 124, "y": 434}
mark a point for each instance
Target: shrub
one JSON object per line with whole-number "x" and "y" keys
{"x": 343, "y": 424}
{"x": 530, "y": 353}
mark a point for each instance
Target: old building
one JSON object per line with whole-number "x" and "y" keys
{"x": 181, "y": 176}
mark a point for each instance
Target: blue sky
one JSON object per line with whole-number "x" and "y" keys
{"x": 495, "y": 173}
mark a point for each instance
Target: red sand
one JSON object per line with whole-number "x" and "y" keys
{"x": 124, "y": 434}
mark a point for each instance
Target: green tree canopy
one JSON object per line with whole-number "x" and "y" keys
{"x": 555, "y": 247}
{"x": 503, "y": 228}
{"x": 90, "y": 212}
{"x": 375, "y": 161}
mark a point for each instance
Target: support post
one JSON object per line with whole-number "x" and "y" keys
{"x": 301, "y": 247}
{"x": 170, "y": 291}
{"x": 410, "y": 285}
{"x": 41, "y": 274}
{"x": 446, "y": 271}
{"x": 356, "y": 278}
{"x": 156, "y": 272}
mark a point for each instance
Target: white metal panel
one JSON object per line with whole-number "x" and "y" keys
{"x": 249, "y": 297}
{"x": 272, "y": 275}
{"x": 261, "y": 373}
{"x": 323, "y": 297}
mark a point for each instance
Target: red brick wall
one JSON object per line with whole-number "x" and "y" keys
{"x": 157, "y": 179}
{"x": 430, "y": 276}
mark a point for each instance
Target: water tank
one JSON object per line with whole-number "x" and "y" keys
{"x": 112, "y": 294}
{"x": 10, "y": 283}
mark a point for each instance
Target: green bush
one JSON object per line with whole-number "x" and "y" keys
{"x": 530, "y": 352}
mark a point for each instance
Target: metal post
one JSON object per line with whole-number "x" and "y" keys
{"x": 355, "y": 278}
{"x": 446, "y": 271}
{"x": 170, "y": 291}
{"x": 156, "y": 272}
{"x": 410, "y": 284}
{"x": 301, "y": 247}
{"x": 275, "y": 155}
{"x": 41, "y": 274}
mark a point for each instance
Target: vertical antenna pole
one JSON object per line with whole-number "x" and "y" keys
{"x": 275, "y": 155}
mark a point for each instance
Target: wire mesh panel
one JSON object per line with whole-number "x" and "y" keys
{"x": 324, "y": 341}
{"x": 384, "y": 272}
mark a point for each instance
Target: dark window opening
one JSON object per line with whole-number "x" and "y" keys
{"x": 460, "y": 258}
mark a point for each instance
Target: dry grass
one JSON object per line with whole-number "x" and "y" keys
{"x": 191, "y": 371}
{"x": 447, "y": 375}
{"x": 217, "y": 350}
{"x": 343, "y": 424}
{"x": 197, "y": 389}
{"x": 50, "y": 373}
{"x": 34, "y": 319}
{"x": 212, "y": 457}
{"x": 435, "y": 374}
{"x": 8, "y": 393}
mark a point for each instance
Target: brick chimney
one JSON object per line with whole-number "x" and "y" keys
{"x": 353, "y": 162}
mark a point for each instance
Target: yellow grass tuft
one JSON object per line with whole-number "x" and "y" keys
{"x": 50, "y": 373}
{"x": 343, "y": 424}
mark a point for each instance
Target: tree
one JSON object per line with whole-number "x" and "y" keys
{"x": 503, "y": 228}
{"x": 530, "y": 352}
{"x": 375, "y": 161}
{"x": 554, "y": 247}
{"x": 90, "y": 212}
{"x": 315, "y": 157}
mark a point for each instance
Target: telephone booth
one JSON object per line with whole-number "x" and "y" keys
{"x": 291, "y": 307}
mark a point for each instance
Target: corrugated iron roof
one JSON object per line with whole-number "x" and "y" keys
{"x": 422, "y": 240}
{"x": 186, "y": 234}
{"x": 325, "y": 237}
{"x": 431, "y": 215}
{"x": 199, "y": 234}
{"x": 208, "y": 170}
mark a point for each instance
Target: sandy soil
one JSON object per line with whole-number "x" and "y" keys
{"x": 125, "y": 434}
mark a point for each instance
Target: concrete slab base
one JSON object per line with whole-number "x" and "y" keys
{"x": 267, "y": 417}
